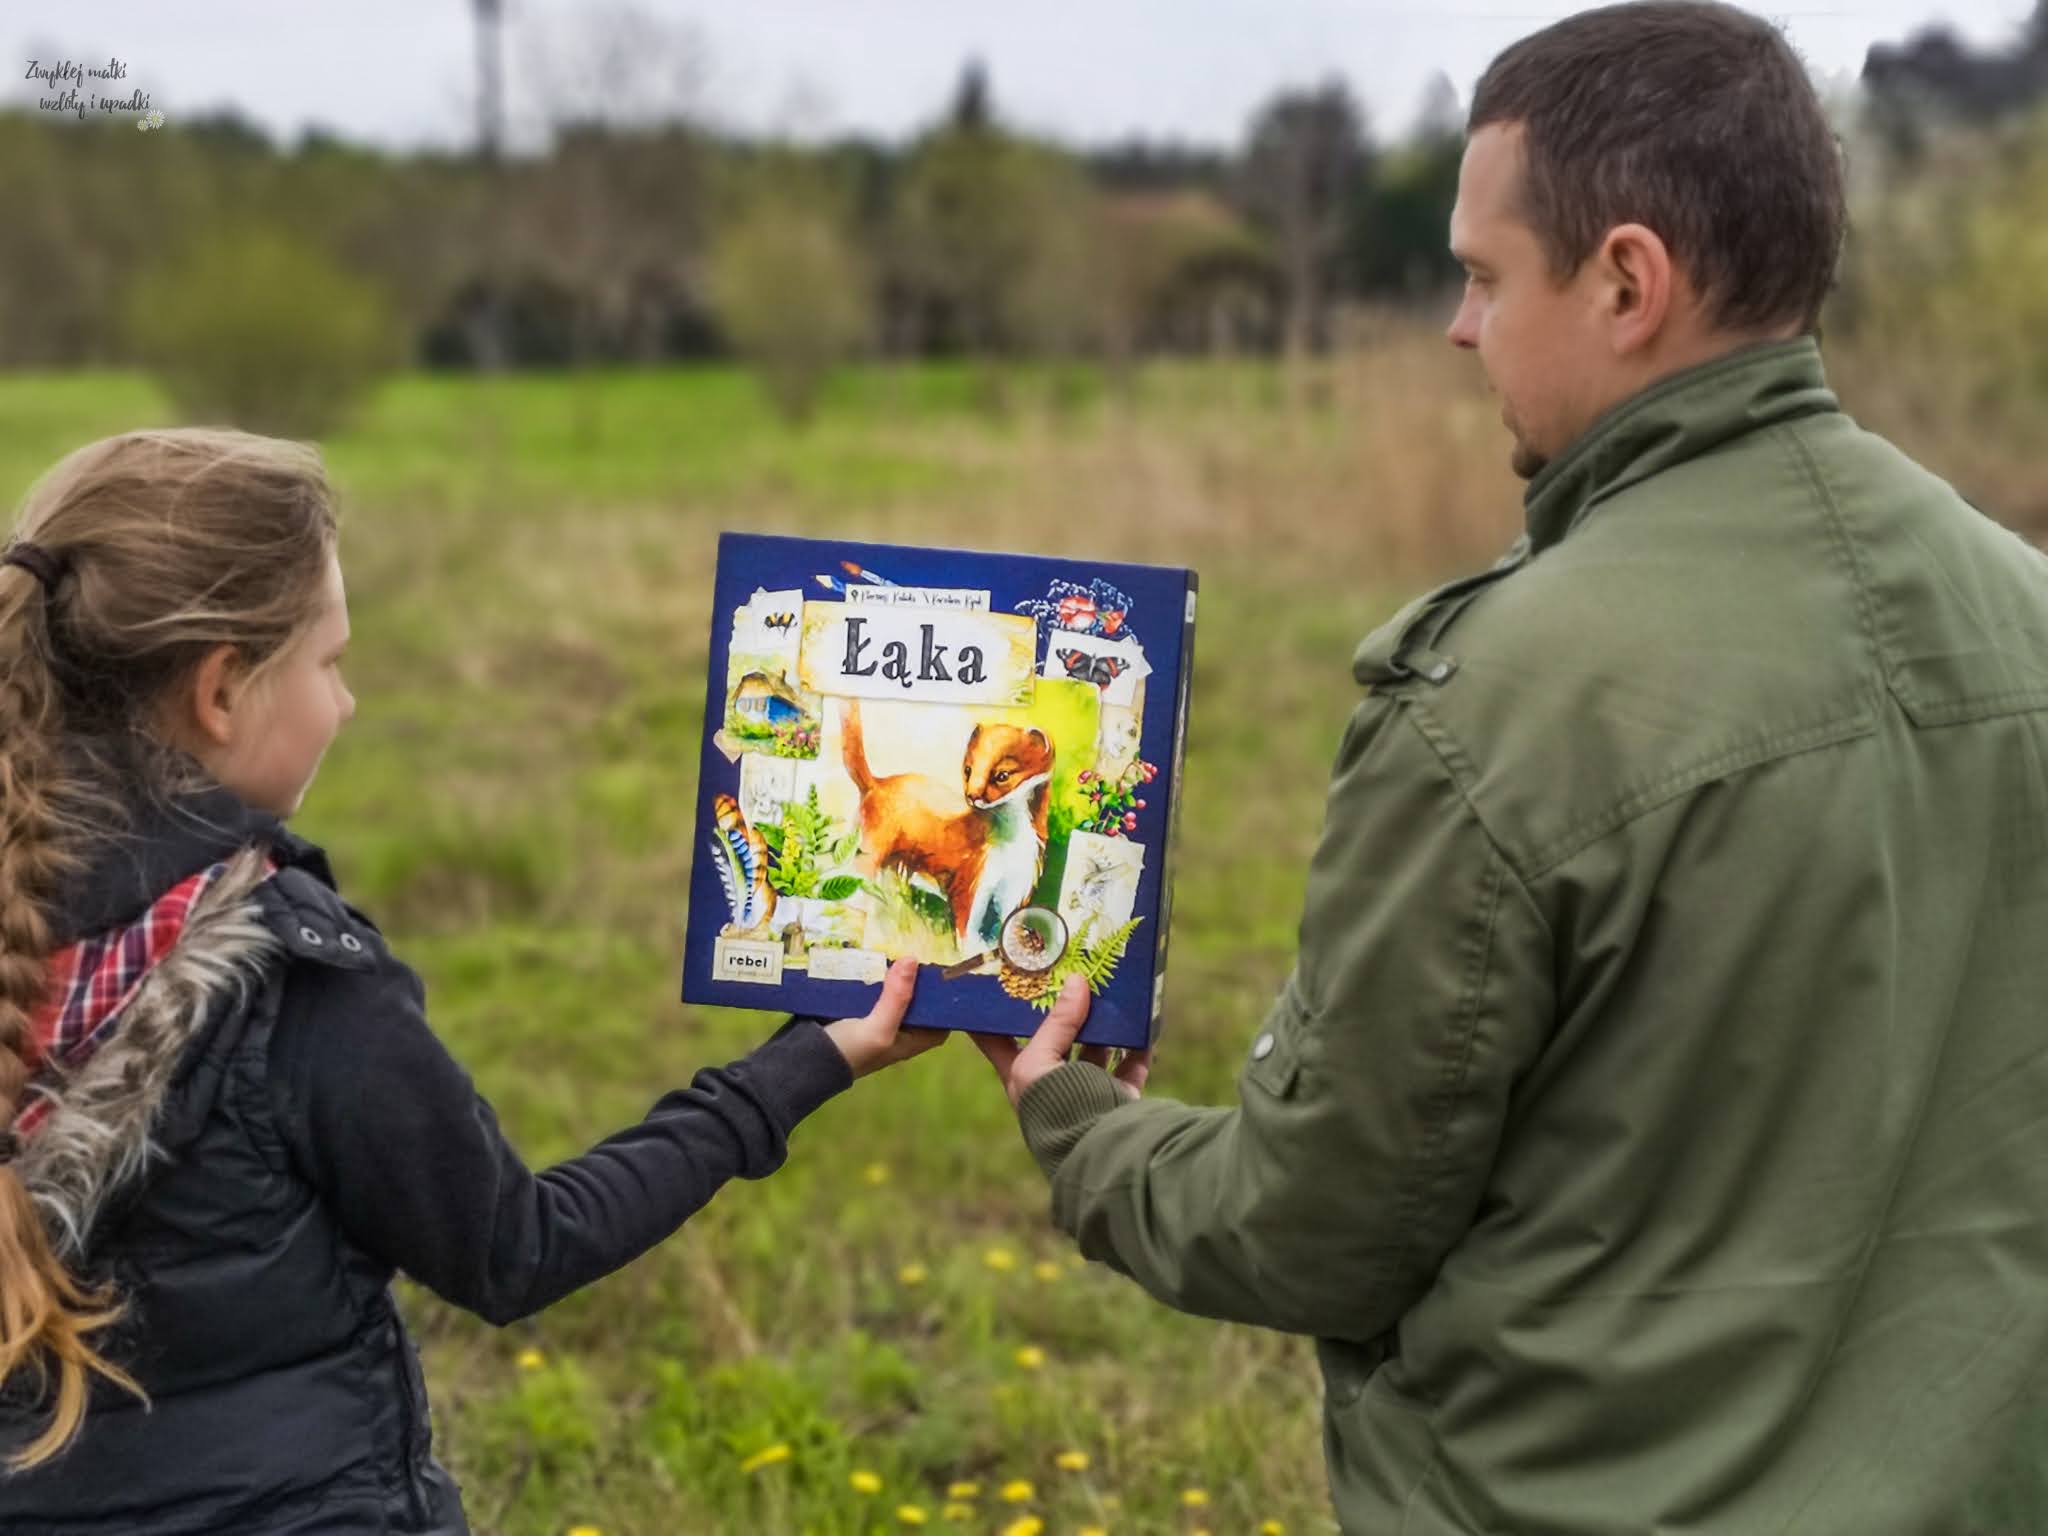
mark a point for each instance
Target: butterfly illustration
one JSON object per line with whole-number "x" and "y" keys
{"x": 1099, "y": 670}
{"x": 780, "y": 622}
{"x": 742, "y": 865}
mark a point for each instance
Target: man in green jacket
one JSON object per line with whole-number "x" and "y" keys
{"x": 1653, "y": 1132}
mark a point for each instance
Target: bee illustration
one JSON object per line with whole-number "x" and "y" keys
{"x": 780, "y": 622}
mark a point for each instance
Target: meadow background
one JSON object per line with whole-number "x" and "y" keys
{"x": 513, "y": 803}
{"x": 535, "y": 465}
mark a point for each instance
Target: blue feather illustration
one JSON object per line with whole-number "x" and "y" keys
{"x": 742, "y": 865}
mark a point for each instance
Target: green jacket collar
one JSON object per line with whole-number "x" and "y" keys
{"x": 1675, "y": 419}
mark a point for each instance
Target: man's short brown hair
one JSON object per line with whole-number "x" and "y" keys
{"x": 1694, "y": 119}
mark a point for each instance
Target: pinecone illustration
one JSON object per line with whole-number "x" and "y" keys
{"x": 1025, "y": 984}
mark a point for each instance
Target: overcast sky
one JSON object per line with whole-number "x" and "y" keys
{"x": 400, "y": 72}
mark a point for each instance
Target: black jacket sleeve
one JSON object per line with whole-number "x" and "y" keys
{"x": 393, "y": 1134}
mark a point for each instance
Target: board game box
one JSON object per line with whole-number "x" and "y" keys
{"x": 967, "y": 757}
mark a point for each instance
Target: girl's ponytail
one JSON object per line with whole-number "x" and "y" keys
{"x": 47, "y": 1318}
{"x": 149, "y": 549}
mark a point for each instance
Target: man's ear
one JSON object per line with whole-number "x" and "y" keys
{"x": 214, "y": 691}
{"x": 1638, "y": 285}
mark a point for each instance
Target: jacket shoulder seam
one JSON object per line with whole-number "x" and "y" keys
{"x": 1452, "y": 757}
{"x": 1411, "y": 1200}
{"x": 1574, "y": 839}
{"x": 1459, "y": 770}
{"x": 1869, "y": 616}
{"x": 1428, "y": 1165}
{"x": 1772, "y": 749}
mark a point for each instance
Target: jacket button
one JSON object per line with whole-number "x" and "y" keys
{"x": 1263, "y": 1046}
{"x": 351, "y": 943}
{"x": 310, "y": 936}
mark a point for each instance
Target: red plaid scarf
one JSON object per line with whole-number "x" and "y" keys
{"x": 91, "y": 984}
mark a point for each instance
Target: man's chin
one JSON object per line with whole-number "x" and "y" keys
{"x": 1526, "y": 462}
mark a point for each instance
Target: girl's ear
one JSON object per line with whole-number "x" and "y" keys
{"x": 214, "y": 691}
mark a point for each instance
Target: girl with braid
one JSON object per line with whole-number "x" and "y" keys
{"x": 224, "y": 1121}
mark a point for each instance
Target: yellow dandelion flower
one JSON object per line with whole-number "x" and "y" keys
{"x": 1071, "y": 1461}
{"x": 1018, "y": 1491}
{"x": 1093, "y": 1530}
{"x": 912, "y": 1274}
{"x": 1201, "y": 1530}
{"x": 1030, "y": 1525}
{"x": 585, "y": 1530}
{"x": 876, "y": 1173}
{"x": 1195, "y": 1498}
{"x": 1030, "y": 1358}
{"x": 1046, "y": 1270}
{"x": 957, "y": 1512}
{"x": 912, "y": 1514}
{"x": 1272, "y": 1528}
{"x": 767, "y": 1456}
{"x": 531, "y": 1360}
{"x": 864, "y": 1482}
{"x": 1001, "y": 1260}
{"x": 958, "y": 1491}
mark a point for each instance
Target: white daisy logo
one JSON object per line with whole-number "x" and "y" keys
{"x": 149, "y": 120}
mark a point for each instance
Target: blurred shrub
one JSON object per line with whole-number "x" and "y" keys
{"x": 792, "y": 295}
{"x": 1938, "y": 337}
{"x": 1180, "y": 269}
{"x": 255, "y": 328}
{"x": 1948, "y": 260}
{"x": 996, "y": 234}
{"x": 1992, "y": 298}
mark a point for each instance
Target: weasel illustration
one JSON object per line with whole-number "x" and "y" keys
{"x": 982, "y": 844}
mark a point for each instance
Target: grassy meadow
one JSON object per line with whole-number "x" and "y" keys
{"x": 886, "y": 1335}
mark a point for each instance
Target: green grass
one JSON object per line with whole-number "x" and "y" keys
{"x": 530, "y": 567}
{"x": 529, "y": 563}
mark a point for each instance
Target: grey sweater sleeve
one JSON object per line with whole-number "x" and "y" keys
{"x": 391, "y": 1132}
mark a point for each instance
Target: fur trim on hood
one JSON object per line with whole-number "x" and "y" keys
{"x": 99, "y": 1134}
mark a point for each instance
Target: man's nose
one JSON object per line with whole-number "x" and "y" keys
{"x": 1462, "y": 332}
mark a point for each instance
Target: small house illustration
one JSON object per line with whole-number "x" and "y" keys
{"x": 764, "y": 700}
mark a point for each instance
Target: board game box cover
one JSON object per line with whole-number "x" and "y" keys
{"x": 967, "y": 757}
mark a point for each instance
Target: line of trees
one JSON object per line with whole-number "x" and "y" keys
{"x": 638, "y": 233}
{"x": 608, "y": 246}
